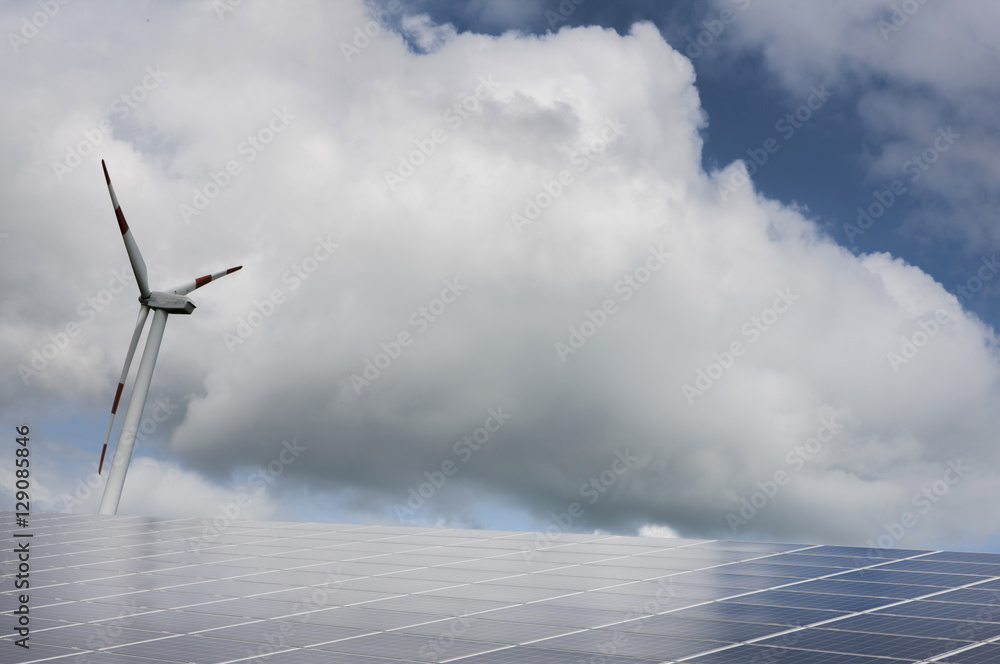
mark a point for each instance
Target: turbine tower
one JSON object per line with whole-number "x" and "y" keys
{"x": 163, "y": 303}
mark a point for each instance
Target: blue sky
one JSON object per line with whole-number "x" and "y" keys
{"x": 435, "y": 143}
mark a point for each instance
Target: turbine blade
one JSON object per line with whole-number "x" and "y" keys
{"x": 201, "y": 281}
{"x": 139, "y": 324}
{"x": 134, "y": 257}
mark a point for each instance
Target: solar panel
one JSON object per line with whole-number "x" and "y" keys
{"x": 130, "y": 590}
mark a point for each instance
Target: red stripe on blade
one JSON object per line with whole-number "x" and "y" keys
{"x": 101, "y": 464}
{"x": 121, "y": 220}
{"x": 118, "y": 395}
{"x": 233, "y": 269}
{"x": 107, "y": 178}
{"x": 201, "y": 281}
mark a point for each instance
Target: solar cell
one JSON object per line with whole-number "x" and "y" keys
{"x": 629, "y": 644}
{"x": 752, "y": 653}
{"x": 791, "y": 598}
{"x": 886, "y": 575}
{"x": 956, "y": 631}
{"x": 923, "y": 564}
{"x": 865, "y": 588}
{"x": 985, "y": 654}
{"x": 716, "y": 630}
{"x": 970, "y": 596}
{"x": 861, "y": 643}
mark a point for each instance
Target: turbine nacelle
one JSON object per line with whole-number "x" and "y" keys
{"x": 170, "y": 303}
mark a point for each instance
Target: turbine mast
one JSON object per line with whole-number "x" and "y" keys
{"x": 133, "y": 415}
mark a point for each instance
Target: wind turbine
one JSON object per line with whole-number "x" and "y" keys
{"x": 163, "y": 303}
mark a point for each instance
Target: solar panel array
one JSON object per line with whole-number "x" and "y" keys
{"x": 130, "y": 590}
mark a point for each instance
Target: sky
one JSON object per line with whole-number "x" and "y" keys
{"x": 720, "y": 269}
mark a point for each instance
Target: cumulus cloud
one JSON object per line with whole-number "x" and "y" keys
{"x": 490, "y": 276}
{"x": 916, "y": 68}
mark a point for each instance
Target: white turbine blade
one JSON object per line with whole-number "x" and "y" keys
{"x": 201, "y": 281}
{"x": 134, "y": 257}
{"x": 133, "y": 415}
{"x": 139, "y": 324}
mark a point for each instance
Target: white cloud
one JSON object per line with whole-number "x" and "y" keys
{"x": 487, "y": 133}
{"x": 918, "y": 68}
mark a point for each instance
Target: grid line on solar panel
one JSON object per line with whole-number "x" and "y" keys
{"x": 935, "y": 566}
{"x": 530, "y": 655}
{"x": 780, "y": 615}
{"x": 631, "y": 644}
{"x": 498, "y": 593}
{"x": 864, "y": 588}
{"x": 861, "y": 552}
{"x": 697, "y": 628}
{"x": 614, "y": 602}
{"x": 361, "y": 617}
{"x": 36, "y": 652}
{"x": 879, "y": 623}
{"x": 173, "y": 621}
{"x": 860, "y": 643}
{"x": 823, "y": 560}
{"x": 396, "y": 645}
{"x": 746, "y": 654}
{"x": 969, "y": 596}
{"x": 883, "y": 575}
{"x": 475, "y": 628}
{"x": 553, "y": 615}
{"x": 193, "y": 648}
{"x": 290, "y": 633}
{"x": 441, "y": 606}
{"x": 713, "y": 578}
{"x": 765, "y": 567}
{"x": 983, "y": 654}
{"x": 792, "y": 599}
{"x": 967, "y": 557}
